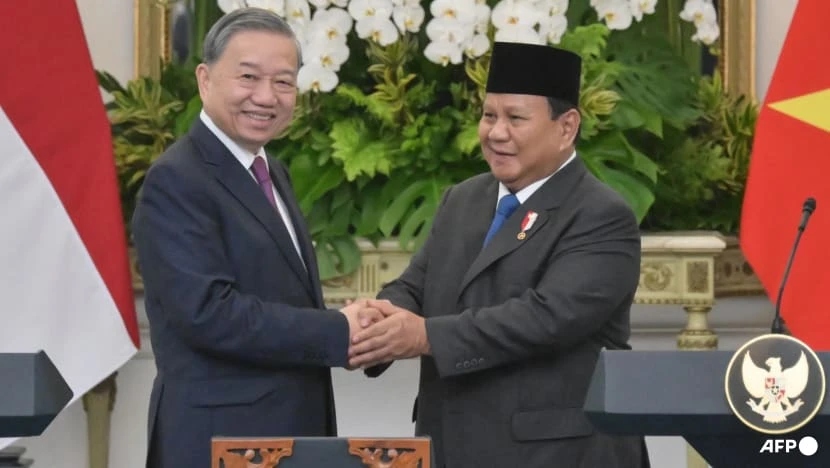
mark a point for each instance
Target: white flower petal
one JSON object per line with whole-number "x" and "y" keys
{"x": 521, "y": 34}
{"x": 409, "y": 18}
{"x": 443, "y": 53}
{"x": 315, "y": 78}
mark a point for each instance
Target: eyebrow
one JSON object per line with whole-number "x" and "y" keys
{"x": 259, "y": 68}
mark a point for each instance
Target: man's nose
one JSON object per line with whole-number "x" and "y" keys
{"x": 264, "y": 93}
{"x": 498, "y": 131}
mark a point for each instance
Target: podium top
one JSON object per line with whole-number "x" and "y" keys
{"x": 668, "y": 393}
{"x": 34, "y": 392}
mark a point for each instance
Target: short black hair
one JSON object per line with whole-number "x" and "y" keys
{"x": 560, "y": 106}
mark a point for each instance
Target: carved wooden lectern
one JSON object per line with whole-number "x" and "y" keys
{"x": 320, "y": 452}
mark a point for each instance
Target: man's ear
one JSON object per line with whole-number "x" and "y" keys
{"x": 569, "y": 123}
{"x": 202, "y": 79}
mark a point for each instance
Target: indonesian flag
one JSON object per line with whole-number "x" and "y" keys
{"x": 791, "y": 162}
{"x": 64, "y": 275}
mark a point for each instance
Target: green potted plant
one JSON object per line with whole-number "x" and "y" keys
{"x": 380, "y": 133}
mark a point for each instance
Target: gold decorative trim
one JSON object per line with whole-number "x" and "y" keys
{"x": 151, "y": 41}
{"x": 697, "y": 277}
{"x": 655, "y": 276}
{"x": 737, "y": 63}
{"x": 733, "y": 274}
{"x": 672, "y": 301}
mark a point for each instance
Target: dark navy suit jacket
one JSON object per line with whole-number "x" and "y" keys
{"x": 242, "y": 340}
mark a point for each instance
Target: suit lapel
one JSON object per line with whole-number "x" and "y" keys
{"x": 303, "y": 236}
{"x": 544, "y": 202}
{"x": 244, "y": 188}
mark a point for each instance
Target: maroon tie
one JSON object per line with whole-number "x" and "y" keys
{"x": 264, "y": 179}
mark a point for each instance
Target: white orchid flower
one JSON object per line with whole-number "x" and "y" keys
{"x": 443, "y": 52}
{"x": 409, "y": 17}
{"x": 477, "y": 46}
{"x": 333, "y": 24}
{"x": 330, "y": 55}
{"x": 615, "y": 13}
{"x": 481, "y": 16}
{"x": 642, "y": 7}
{"x": 516, "y": 33}
{"x": 314, "y": 77}
{"x": 557, "y": 7}
{"x": 707, "y": 33}
{"x": 276, "y": 6}
{"x": 699, "y": 12}
{"x": 366, "y": 9}
{"x": 462, "y": 11}
{"x": 512, "y": 13}
{"x": 553, "y": 27}
{"x": 297, "y": 11}
{"x": 378, "y": 29}
{"x": 448, "y": 30}
{"x": 228, "y": 6}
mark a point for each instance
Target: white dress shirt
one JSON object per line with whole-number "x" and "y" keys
{"x": 526, "y": 192}
{"x": 247, "y": 160}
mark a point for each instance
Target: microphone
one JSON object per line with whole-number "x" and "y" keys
{"x": 806, "y": 210}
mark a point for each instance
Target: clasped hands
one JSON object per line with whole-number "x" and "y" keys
{"x": 382, "y": 332}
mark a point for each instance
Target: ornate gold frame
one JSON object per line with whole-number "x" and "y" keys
{"x": 151, "y": 38}
{"x": 737, "y": 65}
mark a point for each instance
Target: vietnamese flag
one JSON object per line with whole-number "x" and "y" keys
{"x": 64, "y": 276}
{"x": 791, "y": 162}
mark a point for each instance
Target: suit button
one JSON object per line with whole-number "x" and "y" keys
{"x": 480, "y": 361}
{"x": 466, "y": 364}
{"x": 458, "y": 365}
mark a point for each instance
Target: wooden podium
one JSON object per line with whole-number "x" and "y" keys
{"x": 320, "y": 452}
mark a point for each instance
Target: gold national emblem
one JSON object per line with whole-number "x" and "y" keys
{"x": 775, "y": 384}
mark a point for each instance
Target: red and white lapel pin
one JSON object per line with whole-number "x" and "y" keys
{"x": 527, "y": 223}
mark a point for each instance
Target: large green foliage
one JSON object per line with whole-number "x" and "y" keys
{"x": 373, "y": 158}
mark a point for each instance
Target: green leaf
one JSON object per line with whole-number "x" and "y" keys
{"x": 638, "y": 195}
{"x": 186, "y": 118}
{"x": 466, "y": 140}
{"x": 418, "y": 202}
{"x": 312, "y": 182}
{"x": 337, "y": 256}
{"x": 360, "y": 152}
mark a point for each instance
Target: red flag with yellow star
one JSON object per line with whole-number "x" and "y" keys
{"x": 791, "y": 162}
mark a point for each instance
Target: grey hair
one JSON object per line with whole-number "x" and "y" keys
{"x": 245, "y": 19}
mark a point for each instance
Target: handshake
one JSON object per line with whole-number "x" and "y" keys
{"x": 382, "y": 332}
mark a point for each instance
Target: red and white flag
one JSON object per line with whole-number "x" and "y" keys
{"x": 64, "y": 275}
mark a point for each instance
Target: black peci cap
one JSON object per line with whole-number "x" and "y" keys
{"x": 540, "y": 70}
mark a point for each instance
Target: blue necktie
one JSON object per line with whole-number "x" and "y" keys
{"x": 507, "y": 205}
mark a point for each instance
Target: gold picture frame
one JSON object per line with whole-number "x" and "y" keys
{"x": 151, "y": 36}
{"x": 737, "y": 63}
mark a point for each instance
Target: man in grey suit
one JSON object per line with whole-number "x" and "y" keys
{"x": 242, "y": 340}
{"x": 528, "y": 272}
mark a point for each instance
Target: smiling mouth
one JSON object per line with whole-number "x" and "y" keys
{"x": 261, "y": 116}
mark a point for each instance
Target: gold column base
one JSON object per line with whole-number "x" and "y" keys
{"x": 98, "y": 404}
{"x": 697, "y": 336}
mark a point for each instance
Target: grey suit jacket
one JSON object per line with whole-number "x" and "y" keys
{"x": 516, "y": 328}
{"x": 241, "y": 338}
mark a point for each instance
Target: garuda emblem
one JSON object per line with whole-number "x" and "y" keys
{"x": 776, "y": 389}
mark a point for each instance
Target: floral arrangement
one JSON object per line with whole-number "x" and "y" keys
{"x": 457, "y": 28}
{"x": 391, "y": 93}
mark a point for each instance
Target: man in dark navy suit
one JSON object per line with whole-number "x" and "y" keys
{"x": 242, "y": 339}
